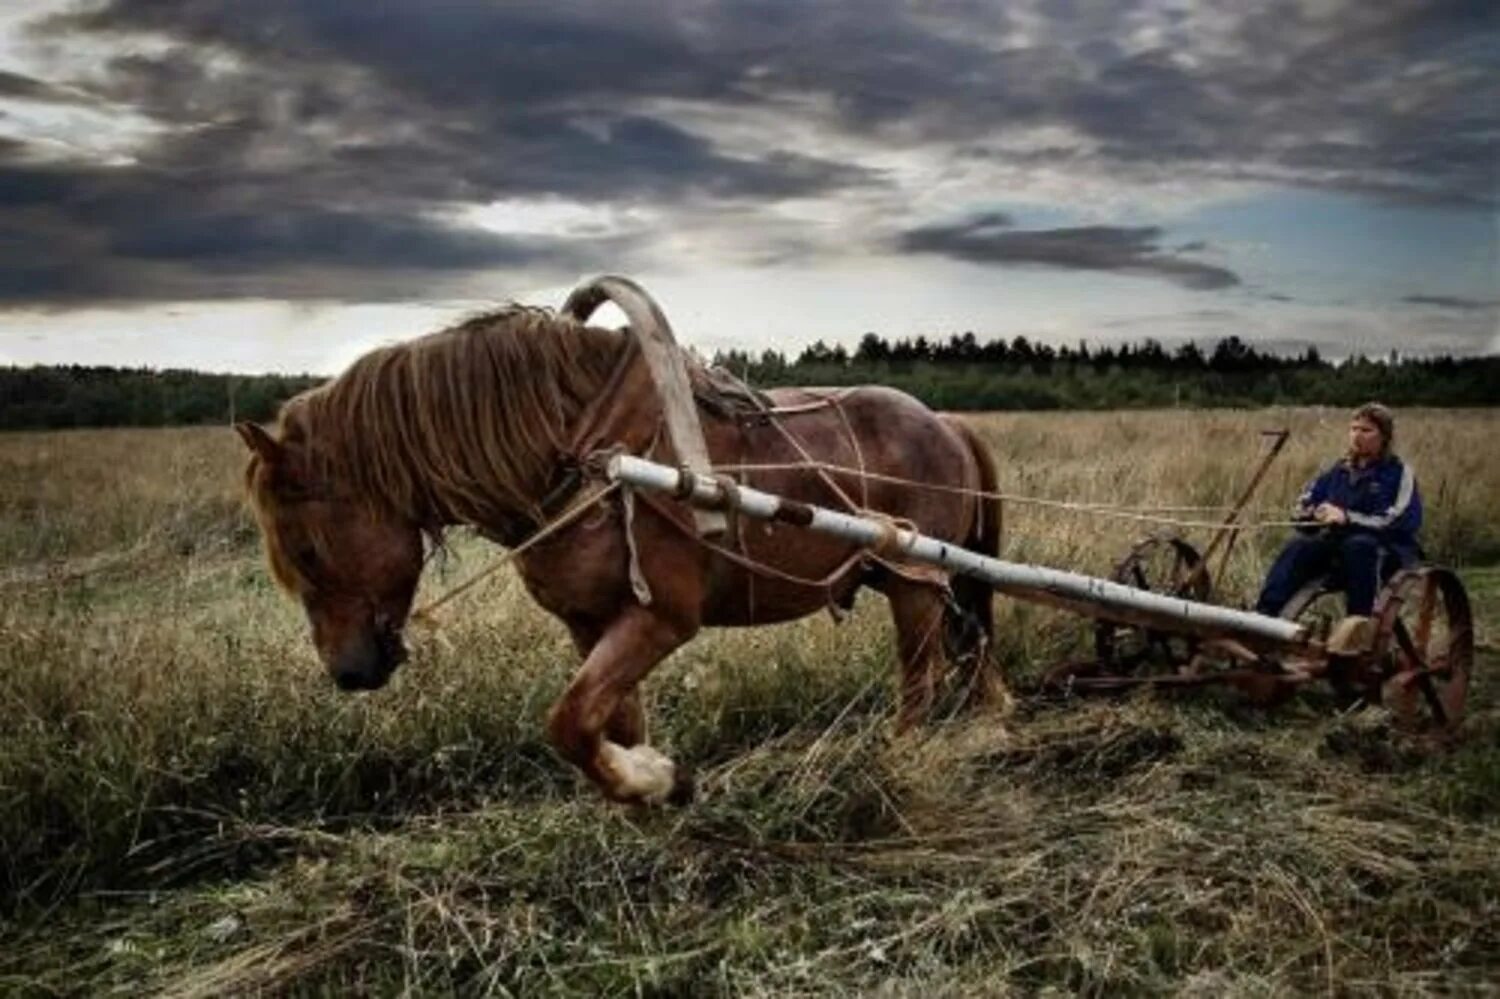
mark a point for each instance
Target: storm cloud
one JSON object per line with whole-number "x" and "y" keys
{"x": 1452, "y": 302}
{"x": 1131, "y": 250}
{"x": 326, "y": 149}
{"x": 19, "y": 85}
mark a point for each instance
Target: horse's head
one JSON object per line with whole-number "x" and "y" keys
{"x": 353, "y": 564}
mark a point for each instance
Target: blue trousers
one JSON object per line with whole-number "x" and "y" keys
{"x": 1359, "y": 562}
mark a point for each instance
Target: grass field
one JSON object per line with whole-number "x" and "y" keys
{"x": 188, "y": 807}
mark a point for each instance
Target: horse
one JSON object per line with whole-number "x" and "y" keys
{"x": 495, "y": 422}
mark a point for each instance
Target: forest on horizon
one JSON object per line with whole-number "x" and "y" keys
{"x": 960, "y": 372}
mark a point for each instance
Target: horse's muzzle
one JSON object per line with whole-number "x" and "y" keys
{"x": 349, "y": 680}
{"x": 371, "y": 660}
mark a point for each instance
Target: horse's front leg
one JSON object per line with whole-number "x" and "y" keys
{"x": 597, "y": 725}
{"x": 627, "y": 726}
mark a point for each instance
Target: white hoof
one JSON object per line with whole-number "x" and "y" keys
{"x": 640, "y": 772}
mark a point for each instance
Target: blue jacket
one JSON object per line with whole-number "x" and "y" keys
{"x": 1381, "y": 498}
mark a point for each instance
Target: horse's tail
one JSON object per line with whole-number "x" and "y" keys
{"x": 971, "y": 629}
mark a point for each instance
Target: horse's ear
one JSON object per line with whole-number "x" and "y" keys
{"x": 257, "y": 440}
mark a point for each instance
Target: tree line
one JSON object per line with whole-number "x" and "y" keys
{"x": 50, "y": 397}
{"x": 963, "y": 372}
{"x": 960, "y": 372}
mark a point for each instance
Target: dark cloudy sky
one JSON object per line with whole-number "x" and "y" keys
{"x": 279, "y": 184}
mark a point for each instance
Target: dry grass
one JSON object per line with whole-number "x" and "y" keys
{"x": 1198, "y": 458}
{"x": 185, "y": 806}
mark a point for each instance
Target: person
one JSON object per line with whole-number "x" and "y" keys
{"x": 1363, "y": 515}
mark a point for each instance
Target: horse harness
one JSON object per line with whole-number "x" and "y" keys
{"x": 608, "y": 426}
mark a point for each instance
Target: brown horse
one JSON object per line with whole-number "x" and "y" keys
{"x": 490, "y": 423}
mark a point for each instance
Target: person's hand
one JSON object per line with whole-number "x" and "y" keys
{"x": 1327, "y": 513}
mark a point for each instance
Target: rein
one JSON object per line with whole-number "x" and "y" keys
{"x": 1093, "y": 509}
{"x": 599, "y": 418}
{"x": 426, "y": 615}
{"x": 884, "y": 552}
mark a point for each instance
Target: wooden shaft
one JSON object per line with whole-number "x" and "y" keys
{"x": 1087, "y": 595}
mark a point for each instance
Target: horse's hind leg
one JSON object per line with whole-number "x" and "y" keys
{"x": 917, "y": 609}
{"x": 600, "y": 707}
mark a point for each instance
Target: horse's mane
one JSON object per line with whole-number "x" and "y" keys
{"x": 464, "y": 424}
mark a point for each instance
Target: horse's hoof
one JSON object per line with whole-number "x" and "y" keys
{"x": 683, "y": 787}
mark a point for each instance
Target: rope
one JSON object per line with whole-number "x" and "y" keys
{"x": 749, "y": 564}
{"x": 823, "y": 467}
{"x": 1092, "y": 508}
{"x": 859, "y": 454}
{"x": 885, "y": 547}
{"x": 426, "y": 614}
{"x": 809, "y": 461}
{"x": 888, "y": 543}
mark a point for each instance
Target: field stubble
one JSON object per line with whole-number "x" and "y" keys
{"x": 186, "y": 803}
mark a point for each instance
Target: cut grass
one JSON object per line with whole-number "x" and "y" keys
{"x": 1097, "y": 848}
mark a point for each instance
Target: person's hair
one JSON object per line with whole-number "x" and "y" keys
{"x": 1384, "y": 421}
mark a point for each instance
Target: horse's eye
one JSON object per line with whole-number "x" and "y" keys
{"x": 306, "y": 556}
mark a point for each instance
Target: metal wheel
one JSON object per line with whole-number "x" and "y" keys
{"x": 1320, "y": 605}
{"x": 1162, "y": 563}
{"x": 1424, "y": 648}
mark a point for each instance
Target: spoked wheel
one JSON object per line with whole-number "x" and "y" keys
{"x": 1424, "y": 648}
{"x": 1319, "y": 605}
{"x": 1162, "y": 563}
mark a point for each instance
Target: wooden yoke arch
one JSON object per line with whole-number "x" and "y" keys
{"x": 668, "y": 369}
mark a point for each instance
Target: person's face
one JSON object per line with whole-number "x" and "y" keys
{"x": 1364, "y": 438}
